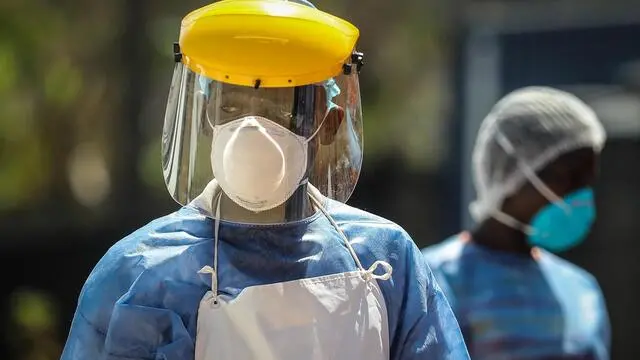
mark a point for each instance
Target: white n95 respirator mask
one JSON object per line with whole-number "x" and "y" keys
{"x": 258, "y": 163}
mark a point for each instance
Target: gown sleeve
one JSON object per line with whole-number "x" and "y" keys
{"x": 108, "y": 326}
{"x": 428, "y": 327}
{"x": 603, "y": 340}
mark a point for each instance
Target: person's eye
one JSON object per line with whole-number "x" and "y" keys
{"x": 228, "y": 109}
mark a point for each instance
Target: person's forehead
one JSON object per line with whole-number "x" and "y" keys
{"x": 234, "y": 92}
{"x": 578, "y": 156}
{"x": 581, "y": 160}
{"x": 231, "y": 88}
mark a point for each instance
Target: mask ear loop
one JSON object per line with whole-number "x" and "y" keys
{"x": 331, "y": 90}
{"x": 326, "y": 115}
{"x": 218, "y": 91}
{"x": 307, "y": 140}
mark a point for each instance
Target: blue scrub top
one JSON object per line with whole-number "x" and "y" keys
{"x": 511, "y": 306}
{"x": 141, "y": 299}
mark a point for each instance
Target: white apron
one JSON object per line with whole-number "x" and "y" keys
{"x": 339, "y": 317}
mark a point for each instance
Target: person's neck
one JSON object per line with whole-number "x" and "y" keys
{"x": 494, "y": 235}
{"x": 298, "y": 207}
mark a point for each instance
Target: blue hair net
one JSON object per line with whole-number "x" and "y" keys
{"x": 204, "y": 85}
{"x": 332, "y": 89}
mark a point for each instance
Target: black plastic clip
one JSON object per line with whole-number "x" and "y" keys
{"x": 177, "y": 55}
{"x": 357, "y": 61}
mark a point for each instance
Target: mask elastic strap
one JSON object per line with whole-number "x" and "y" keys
{"x": 531, "y": 175}
{"x": 332, "y": 90}
{"x": 533, "y": 178}
{"x": 368, "y": 274}
{"x": 218, "y": 91}
{"x": 326, "y": 115}
{"x": 208, "y": 269}
{"x": 512, "y": 222}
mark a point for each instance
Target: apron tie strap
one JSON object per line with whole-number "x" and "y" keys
{"x": 214, "y": 282}
{"x": 369, "y": 273}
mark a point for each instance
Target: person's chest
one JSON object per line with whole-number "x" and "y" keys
{"x": 523, "y": 314}
{"x": 245, "y": 265}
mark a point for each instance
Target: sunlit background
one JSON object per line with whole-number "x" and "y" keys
{"x": 83, "y": 86}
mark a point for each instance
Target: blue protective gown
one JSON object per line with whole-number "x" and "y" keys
{"x": 515, "y": 307}
{"x": 141, "y": 300}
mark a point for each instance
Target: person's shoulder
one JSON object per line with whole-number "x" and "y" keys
{"x": 445, "y": 252}
{"x": 187, "y": 224}
{"x": 577, "y": 283}
{"x": 568, "y": 270}
{"x": 149, "y": 246}
{"x": 369, "y": 230}
{"x": 163, "y": 237}
{"x": 343, "y": 213}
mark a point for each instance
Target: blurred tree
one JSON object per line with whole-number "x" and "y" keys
{"x": 404, "y": 81}
{"x": 33, "y": 326}
{"x": 49, "y": 86}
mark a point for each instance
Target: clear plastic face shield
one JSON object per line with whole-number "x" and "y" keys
{"x": 259, "y": 147}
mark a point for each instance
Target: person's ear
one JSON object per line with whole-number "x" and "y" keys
{"x": 331, "y": 124}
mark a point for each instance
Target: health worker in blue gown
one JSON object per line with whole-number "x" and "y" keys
{"x": 534, "y": 165}
{"x": 262, "y": 144}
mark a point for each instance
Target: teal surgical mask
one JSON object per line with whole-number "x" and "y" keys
{"x": 560, "y": 225}
{"x": 563, "y": 224}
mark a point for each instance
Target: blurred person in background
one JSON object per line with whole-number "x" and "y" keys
{"x": 534, "y": 165}
{"x": 262, "y": 138}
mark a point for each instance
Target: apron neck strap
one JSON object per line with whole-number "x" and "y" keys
{"x": 316, "y": 200}
{"x": 368, "y": 274}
